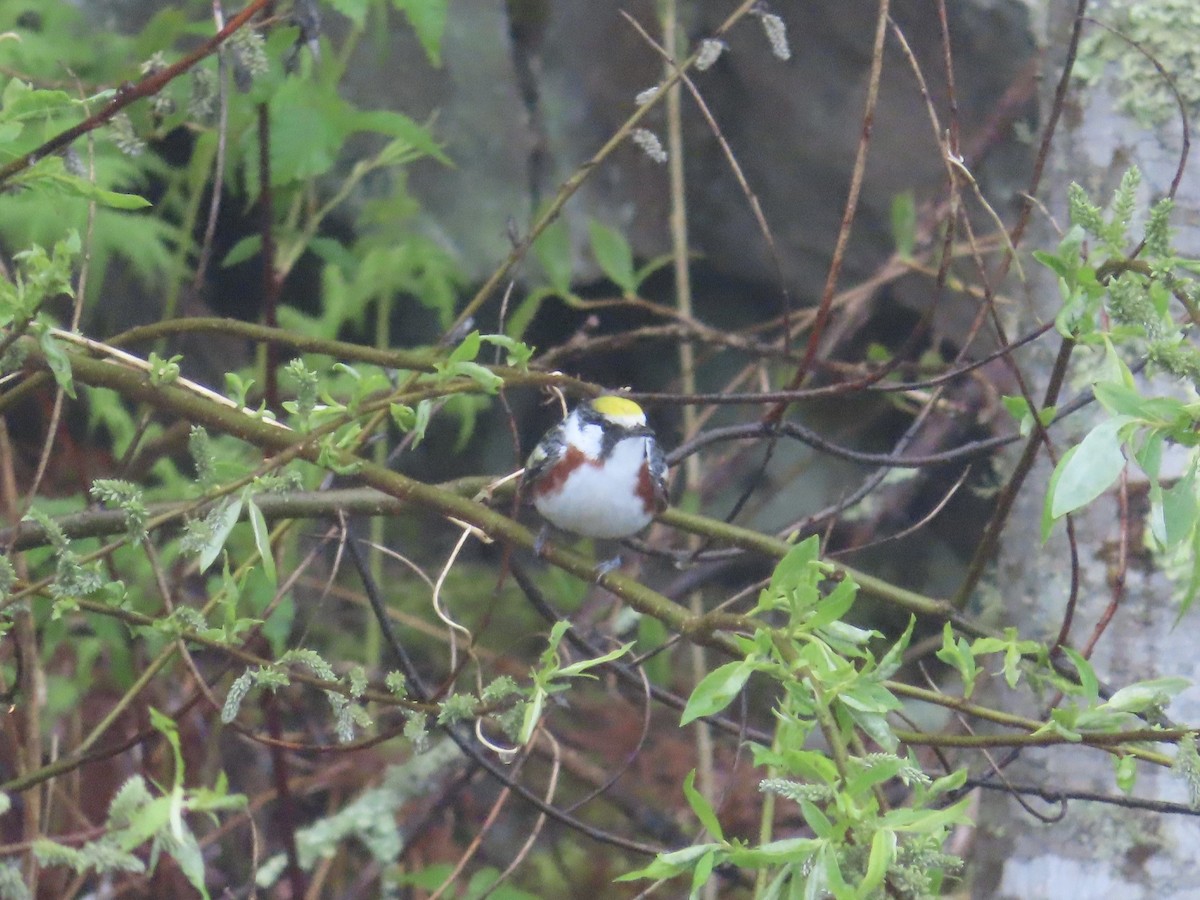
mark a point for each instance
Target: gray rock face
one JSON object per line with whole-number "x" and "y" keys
{"x": 530, "y": 89}
{"x": 519, "y": 114}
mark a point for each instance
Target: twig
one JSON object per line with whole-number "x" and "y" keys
{"x": 776, "y": 413}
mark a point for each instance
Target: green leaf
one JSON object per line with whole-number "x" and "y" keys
{"x": 81, "y": 187}
{"x": 834, "y": 606}
{"x": 1125, "y": 769}
{"x": 1193, "y": 585}
{"x": 577, "y": 668}
{"x": 223, "y": 524}
{"x": 614, "y": 256}
{"x": 404, "y": 416}
{"x": 516, "y": 353}
{"x": 794, "y": 580}
{"x": 262, "y": 539}
{"x": 424, "y": 412}
{"x": 246, "y": 248}
{"x": 1018, "y": 408}
{"x": 1089, "y": 469}
{"x": 409, "y": 135}
{"x": 22, "y": 101}
{"x": 481, "y": 375}
{"x": 877, "y": 773}
{"x": 428, "y": 20}
{"x": 894, "y": 658}
{"x": 553, "y": 251}
{"x": 1179, "y": 509}
{"x": 716, "y": 690}
{"x": 1087, "y": 675}
{"x": 467, "y": 349}
{"x": 309, "y": 124}
{"x": 904, "y": 223}
{"x": 185, "y": 849}
{"x": 1119, "y": 399}
{"x": 1056, "y": 264}
{"x": 794, "y": 567}
{"x": 957, "y": 653}
{"x": 816, "y": 820}
{"x": 700, "y": 806}
{"x": 703, "y": 871}
{"x": 1099, "y": 719}
{"x": 1012, "y": 664}
{"x": 1127, "y": 401}
{"x": 832, "y": 870}
{"x": 775, "y": 853}
{"x": 58, "y": 361}
{"x": 1149, "y": 454}
{"x": 926, "y": 821}
{"x": 1143, "y": 695}
{"x": 951, "y": 782}
{"x": 166, "y": 726}
{"x": 883, "y": 851}
{"x": 875, "y": 724}
{"x": 668, "y": 865}
{"x": 354, "y": 10}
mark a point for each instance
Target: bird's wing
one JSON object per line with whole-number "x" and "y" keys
{"x": 658, "y": 472}
{"x": 548, "y": 449}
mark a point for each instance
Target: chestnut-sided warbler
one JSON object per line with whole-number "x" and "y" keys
{"x": 600, "y": 472}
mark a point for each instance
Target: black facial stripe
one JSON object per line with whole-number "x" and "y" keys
{"x": 611, "y": 432}
{"x": 614, "y": 434}
{"x": 588, "y": 415}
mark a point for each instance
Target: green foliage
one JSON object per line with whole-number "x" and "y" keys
{"x": 348, "y": 713}
{"x": 1148, "y": 34}
{"x": 206, "y": 537}
{"x": 1019, "y": 409}
{"x": 39, "y": 277}
{"x": 428, "y": 19}
{"x": 1138, "y": 296}
{"x": 74, "y": 579}
{"x": 461, "y": 363}
{"x": 137, "y": 817}
{"x": 8, "y": 578}
{"x": 310, "y": 121}
{"x": 1187, "y": 764}
{"x": 456, "y": 708}
{"x": 27, "y": 118}
{"x": 552, "y": 677}
{"x": 553, "y": 252}
{"x": 163, "y": 371}
{"x": 825, "y": 678}
{"x": 835, "y": 746}
{"x": 904, "y": 223}
{"x": 614, "y": 256}
{"x": 54, "y": 194}
{"x": 370, "y": 818}
{"x": 611, "y": 252}
{"x": 126, "y": 497}
{"x": 12, "y": 883}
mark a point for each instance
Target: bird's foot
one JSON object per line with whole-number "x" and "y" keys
{"x": 539, "y": 542}
{"x": 608, "y": 565}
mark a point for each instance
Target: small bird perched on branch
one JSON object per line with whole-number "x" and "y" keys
{"x": 599, "y": 473}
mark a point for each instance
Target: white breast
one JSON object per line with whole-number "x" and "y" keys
{"x": 601, "y": 502}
